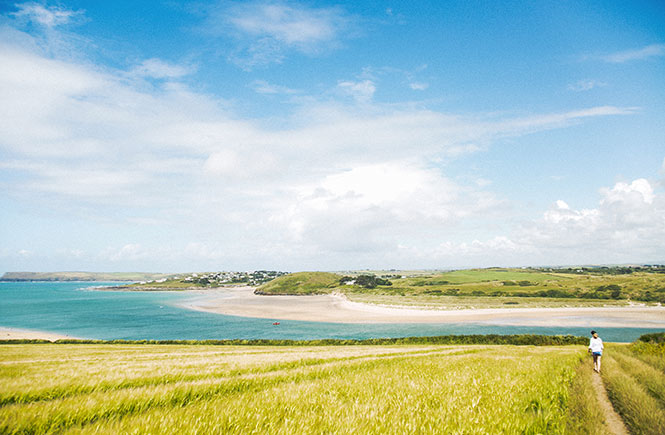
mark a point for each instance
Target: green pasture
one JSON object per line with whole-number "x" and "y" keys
{"x": 446, "y": 302}
{"x": 487, "y": 275}
{"x": 519, "y": 287}
{"x": 302, "y": 283}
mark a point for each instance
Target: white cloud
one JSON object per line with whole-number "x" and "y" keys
{"x": 562, "y": 205}
{"x": 652, "y": 50}
{"x": 362, "y": 91}
{"x": 203, "y": 251}
{"x": 627, "y": 223}
{"x": 159, "y": 69}
{"x": 288, "y": 24}
{"x": 638, "y": 191}
{"x": 377, "y": 205}
{"x": 330, "y": 178}
{"x": 241, "y": 165}
{"x": 46, "y": 16}
{"x": 418, "y": 86}
{"x": 270, "y": 29}
{"x": 129, "y": 252}
{"x": 585, "y": 85}
{"x": 263, "y": 87}
{"x": 81, "y": 131}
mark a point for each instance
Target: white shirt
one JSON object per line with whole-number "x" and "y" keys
{"x": 596, "y": 344}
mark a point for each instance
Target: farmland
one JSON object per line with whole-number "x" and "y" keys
{"x": 107, "y": 388}
{"x": 635, "y": 379}
{"x": 488, "y": 288}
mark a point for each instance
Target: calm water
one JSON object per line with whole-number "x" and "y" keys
{"x": 70, "y": 308}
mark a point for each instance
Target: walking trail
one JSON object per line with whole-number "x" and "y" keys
{"x": 613, "y": 421}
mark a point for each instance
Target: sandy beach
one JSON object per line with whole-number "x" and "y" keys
{"x": 18, "y": 334}
{"x": 336, "y": 308}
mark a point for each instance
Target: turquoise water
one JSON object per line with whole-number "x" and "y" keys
{"x": 72, "y": 308}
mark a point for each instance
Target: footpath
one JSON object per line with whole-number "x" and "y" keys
{"x": 612, "y": 419}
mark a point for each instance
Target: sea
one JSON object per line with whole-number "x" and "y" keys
{"x": 78, "y": 310}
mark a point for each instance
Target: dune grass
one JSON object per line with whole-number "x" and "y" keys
{"x": 485, "y": 288}
{"x": 302, "y": 283}
{"x": 249, "y": 389}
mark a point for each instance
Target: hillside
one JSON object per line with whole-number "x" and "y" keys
{"x": 82, "y": 276}
{"x": 642, "y": 285}
{"x": 485, "y": 288}
{"x": 301, "y": 283}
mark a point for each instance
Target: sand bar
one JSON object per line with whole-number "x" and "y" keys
{"x": 336, "y": 308}
{"x": 29, "y": 334}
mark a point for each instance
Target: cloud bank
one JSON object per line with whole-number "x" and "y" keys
{"x": 341, "y": 181}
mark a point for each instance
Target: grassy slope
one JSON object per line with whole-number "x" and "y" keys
{"x": 487, "y": 275}
{"x": 428, "y": 301}
{"x": 357, "y": 389}
{"x": 477, "y": 288}
{"x": 170, "y": 284}
{"x": 301, "y": 283}
{"x": 506, "y": 281}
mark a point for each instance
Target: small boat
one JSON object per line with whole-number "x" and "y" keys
{"x": 275, "y": 323}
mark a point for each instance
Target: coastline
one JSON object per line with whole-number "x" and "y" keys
{"x": 7, "y": 333}
{"x": 336, "y": 308}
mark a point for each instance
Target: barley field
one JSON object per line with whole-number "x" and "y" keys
{"x": 634, "y": 376}
{"x": 87, "y": 388}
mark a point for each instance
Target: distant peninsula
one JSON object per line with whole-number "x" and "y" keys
{"x": 83, "y": 276}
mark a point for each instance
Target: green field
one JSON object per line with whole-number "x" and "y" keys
{"x": 302, "y": 283}
{"x": 55, "y": 388}
{"x": 488, "y": 288}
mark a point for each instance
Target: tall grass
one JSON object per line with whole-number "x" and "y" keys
{"x": 354, "y": 389}
{"x": 647, "y": 376}
{"x": 634, "y": 394}
{"x": 584, "y": 415}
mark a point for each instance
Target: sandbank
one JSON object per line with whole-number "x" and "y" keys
{"x": 337, "y": 308}
{"x": 30, "y": 334}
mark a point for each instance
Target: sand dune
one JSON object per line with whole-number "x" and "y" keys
{"x": 336, "y": 308}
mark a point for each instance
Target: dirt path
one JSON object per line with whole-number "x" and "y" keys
{"x": 612, "y": 419}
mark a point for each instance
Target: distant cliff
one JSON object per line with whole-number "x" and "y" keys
{"x": 82, "y": 276}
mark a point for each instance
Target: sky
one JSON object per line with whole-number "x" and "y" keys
{"x": 182, "y": 136}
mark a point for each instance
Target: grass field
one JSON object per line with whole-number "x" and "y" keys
{"x": 635, "y": 379}
{"x": 249, "y": 389}
{"x": 426, "y": 301}
{"x": 486, "y": 288}
{"x": 303, "y": 283}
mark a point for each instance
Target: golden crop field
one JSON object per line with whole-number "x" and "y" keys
{"x": 635, "y": 379}
{"x": 83, "y": 388}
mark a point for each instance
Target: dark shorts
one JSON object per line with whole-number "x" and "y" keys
{"x": 597, "y": 354}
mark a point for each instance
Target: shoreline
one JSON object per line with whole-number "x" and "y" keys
{"x": 8, "y": 333}
{"x": 336, "y": 308}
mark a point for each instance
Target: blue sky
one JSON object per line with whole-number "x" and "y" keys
{"x": 178, "y": 136}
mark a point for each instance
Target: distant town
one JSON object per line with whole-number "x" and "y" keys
{"x": 218, "y": 279}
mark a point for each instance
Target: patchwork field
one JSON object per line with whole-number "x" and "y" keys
{"x": 88, "y": 388}
{"x": 486, "y": 288}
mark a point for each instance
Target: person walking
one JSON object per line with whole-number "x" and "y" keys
{"x": 596, "y": 349}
